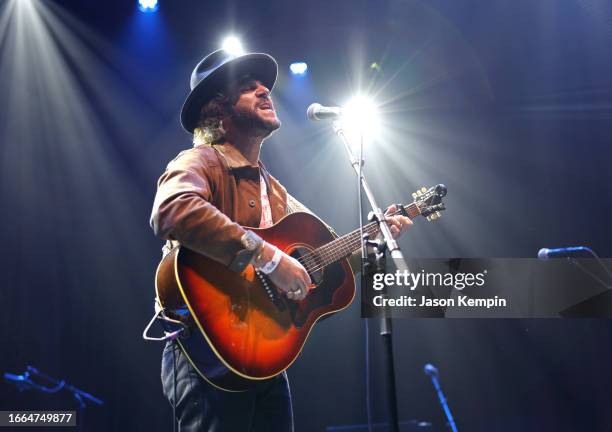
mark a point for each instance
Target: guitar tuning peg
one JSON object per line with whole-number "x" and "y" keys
{"x": 423, "y": 189}
{"x": 419, "y": 193}
{"x": 438, "y": 214}
{"x": 428, "y": 218}
{"x": 414, "y": 195}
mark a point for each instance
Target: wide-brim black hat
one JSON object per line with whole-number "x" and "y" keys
{"x": 213, "y": 74}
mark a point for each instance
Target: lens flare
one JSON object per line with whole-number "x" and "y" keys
{"x": 360, "y": 119}
{"x": 233, "y": 46}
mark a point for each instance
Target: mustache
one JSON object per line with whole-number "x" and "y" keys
{"x": 248, "y": 117}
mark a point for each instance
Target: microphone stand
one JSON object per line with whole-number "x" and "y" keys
{"x": 432, "y": 372}
{"x": 25, "y": 382}
{"x": 375, "y": 263}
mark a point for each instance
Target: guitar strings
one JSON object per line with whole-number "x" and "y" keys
{"x": 331, "y": 248}
{"x": 333, "y": 252}
{"x": 329, "y": 253}
{"x": 336, "y": 245}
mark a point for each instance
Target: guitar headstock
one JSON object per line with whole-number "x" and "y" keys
{"x": 429, "y": 201}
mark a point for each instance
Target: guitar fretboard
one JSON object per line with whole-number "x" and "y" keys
{"x": 344, "y": 246}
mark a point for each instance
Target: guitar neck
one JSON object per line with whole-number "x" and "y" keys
{"x": 344, "y": 246}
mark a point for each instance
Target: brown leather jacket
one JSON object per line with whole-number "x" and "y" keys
{"x": 208, "y": 193}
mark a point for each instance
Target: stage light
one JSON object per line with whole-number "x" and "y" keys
{"x": 298, "y": 68}
{"x": 360, "y": 118}
{"x": 233, "y": 46}
{"x": 147, "y": 5}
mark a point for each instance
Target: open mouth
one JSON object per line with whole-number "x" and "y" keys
{"x": 266, "y": 107}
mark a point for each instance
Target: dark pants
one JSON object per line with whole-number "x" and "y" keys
{"x": 201, "y": 407}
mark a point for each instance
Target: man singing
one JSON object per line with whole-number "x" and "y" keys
{"x": 204, "y": 199}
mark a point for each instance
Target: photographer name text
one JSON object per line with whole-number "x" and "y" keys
{"x": 423, "y": 301}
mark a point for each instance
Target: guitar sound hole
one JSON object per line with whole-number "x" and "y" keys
{"x": 310, "y": 261}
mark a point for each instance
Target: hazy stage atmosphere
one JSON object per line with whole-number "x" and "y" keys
{"x": 507, "y": 103}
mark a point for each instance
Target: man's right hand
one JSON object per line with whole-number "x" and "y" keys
{"x": 289, "y": 276}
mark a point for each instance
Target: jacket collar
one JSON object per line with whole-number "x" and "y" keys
{"x": 233, "y": 157}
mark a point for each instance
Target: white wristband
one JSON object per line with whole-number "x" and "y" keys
{"x": 271, "y": 265}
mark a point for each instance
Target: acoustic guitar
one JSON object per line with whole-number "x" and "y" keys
{"x": 242, "y": 327}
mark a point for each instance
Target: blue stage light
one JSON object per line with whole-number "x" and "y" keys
{"x": 147, "y": 5}
{"x": 298, "y": 68}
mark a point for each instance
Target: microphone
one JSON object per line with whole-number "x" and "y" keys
{"x": 430, "y": 370}
{"x": 16, "y": 378}
{"x": 566, "y": 252}
{"x": 319, "y": 112}
{"x": 22, "y": 382}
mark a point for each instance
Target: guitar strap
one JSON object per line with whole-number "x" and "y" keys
{"x": 266, "y": 210}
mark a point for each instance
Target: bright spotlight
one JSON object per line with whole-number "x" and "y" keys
{"x": 298, "y": 68}
{"x": 360, "y": 118}
{"x": 147, "y": 5}
{"x": 233, "y": 46}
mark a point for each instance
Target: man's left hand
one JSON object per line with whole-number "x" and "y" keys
{"x": 398, "y": 223}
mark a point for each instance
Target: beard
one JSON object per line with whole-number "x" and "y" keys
{"x": 249, "y": 121}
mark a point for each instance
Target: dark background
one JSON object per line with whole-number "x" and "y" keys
{"x": 509, "y": 103}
